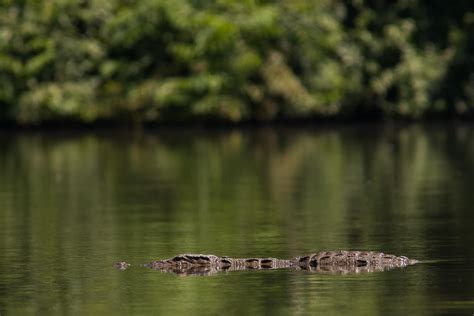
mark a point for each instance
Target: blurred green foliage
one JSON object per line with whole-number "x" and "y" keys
{"x": 233, "y": 60}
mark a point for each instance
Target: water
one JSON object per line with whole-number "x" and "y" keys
{"x": 72, "y": 204}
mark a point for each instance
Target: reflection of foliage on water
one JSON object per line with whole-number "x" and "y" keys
{"x": 233, "y": 60}
{"x": 240, "y": 193}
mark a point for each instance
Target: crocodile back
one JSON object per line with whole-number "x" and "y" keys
{"x": 339, "y": 261}
{"x": 342, "y": 258}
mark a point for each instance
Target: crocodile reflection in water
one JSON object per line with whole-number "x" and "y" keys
{"x": 340, "y": 262}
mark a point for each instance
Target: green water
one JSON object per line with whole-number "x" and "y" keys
{"x": 72, "y": 204}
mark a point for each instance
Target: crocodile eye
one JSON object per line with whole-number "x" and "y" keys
{"x": 313, "y": 262}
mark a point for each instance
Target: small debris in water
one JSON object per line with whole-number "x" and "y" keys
{"x": 122, "y": 265}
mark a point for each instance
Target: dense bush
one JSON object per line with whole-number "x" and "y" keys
{"x": 233, "y": 60}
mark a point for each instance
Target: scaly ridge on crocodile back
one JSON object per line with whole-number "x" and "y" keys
{"x": 340, "y": 261}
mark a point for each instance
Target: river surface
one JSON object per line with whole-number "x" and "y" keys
{"x": 74, "y": 203}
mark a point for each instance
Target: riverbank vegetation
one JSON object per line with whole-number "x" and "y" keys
{"x": 234, "y": 61}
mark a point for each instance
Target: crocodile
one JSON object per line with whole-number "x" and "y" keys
{"x": 340, "y": 262}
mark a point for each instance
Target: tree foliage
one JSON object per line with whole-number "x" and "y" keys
{"x": 159, "y": 60}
